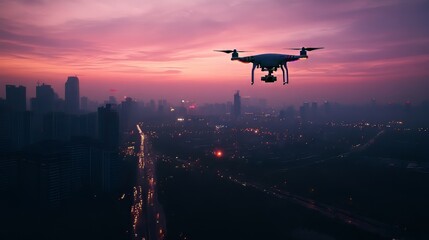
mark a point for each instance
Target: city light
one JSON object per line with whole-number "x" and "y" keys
{"x": 253, "y": 150}
{"x": 218, "y": 153}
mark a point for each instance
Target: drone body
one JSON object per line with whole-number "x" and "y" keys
{"x": 269, "y": 62}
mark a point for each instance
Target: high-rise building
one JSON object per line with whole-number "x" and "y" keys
{"x": 237, "y": 104}
{"x": 88, "y": 125}
{"x": 56, "y": 126}
{"x": 84, "y": 104}
{"x": 16, "y": 98}
{"x": 108, "y": 135}
{"x": 15, "y": 123}
{"x": 45, "y": 99}
{"x": 9, "y": 179}
{"x": 72, "y": 95}
{"x": 128, "y": 116}
{"x": 47, "y": 173}
{"x": 314, "y": 107}
{"x": 304, "y": 109}
{"x": 327, "y": 106}
{"x": 112, "y": 100}
{"x": 108, "y": 126}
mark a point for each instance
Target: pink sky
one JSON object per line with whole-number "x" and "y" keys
{"x": 163, "y": 48}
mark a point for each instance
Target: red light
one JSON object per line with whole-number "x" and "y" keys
{"x": 218, "y": 153}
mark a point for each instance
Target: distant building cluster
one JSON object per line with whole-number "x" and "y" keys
{"x": 56, "y": 149}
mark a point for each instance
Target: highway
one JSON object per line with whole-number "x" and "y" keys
{"x": 347, "y": 217}
{"x": 147, "y": 214}
{"x": 315, "y": 159}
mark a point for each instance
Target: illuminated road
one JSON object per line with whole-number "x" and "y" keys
{"x": 148, "y": 218}
{"x": 342, "y": 215}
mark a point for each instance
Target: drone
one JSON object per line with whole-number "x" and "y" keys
{"x": 270, "y": 62}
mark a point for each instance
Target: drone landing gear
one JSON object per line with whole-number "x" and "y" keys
{"x": 253, "y": 74}
{"x": 285, "y": 79}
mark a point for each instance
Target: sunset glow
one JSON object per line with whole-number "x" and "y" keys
{"x": 164, "y": 49}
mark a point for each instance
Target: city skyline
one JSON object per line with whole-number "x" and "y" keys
{"x": 128, "y": 170}
{"x": 372, "y": 49}
{"x": 54, "y": 102}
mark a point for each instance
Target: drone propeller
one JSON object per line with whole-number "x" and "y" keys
{"x": 306, "y": 48}
{"x": 229, "y": 51}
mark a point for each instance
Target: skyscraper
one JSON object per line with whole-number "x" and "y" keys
{"x": 72, "y": 95}
{"x": 108, "y": 126}
{"x": 237, "y": 104}
{"x": 16, "y": 98}
{"x": 45, "y": 99}
{"x": 108, "y": 135}
{"x": 15, "y": 122}
{"x": 128, "y": 112}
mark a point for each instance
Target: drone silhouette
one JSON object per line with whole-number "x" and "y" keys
{"x": 270, "y": 62}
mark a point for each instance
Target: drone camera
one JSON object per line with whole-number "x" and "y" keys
{"x": 269, "y": 78}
